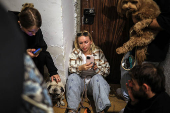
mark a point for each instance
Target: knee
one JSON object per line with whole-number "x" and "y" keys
{"x": 41, "y": 56}
{"x": 72, "y": 77}
{"x": 97, "y": 76}
{"x": 98, "y": 80}
{"x": 73, "y": 82}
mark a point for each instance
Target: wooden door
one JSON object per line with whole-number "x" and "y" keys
{"x": 108, "y": 32}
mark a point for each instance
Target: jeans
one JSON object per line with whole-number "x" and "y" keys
{"x": 97, "y": 87}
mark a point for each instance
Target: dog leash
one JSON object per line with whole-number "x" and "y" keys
{"x": 87, "y": 110}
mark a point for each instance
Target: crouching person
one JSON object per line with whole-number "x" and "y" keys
{"x": 147, "y": 90}
{"x": 78, "y": 67}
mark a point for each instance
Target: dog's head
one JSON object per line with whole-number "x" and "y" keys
{"x": 127, "y": 7}
{"x": 55, "y": 90}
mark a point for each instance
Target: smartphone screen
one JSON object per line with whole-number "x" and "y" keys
{"x": 37, "y": 51}
{"x": 89, "y": 58}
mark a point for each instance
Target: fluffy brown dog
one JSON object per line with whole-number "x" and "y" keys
{"x": 140, "y": 35}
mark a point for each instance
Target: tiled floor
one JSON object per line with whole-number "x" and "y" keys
{"x": 116, "y": 104}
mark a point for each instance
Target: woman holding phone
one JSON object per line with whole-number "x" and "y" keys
{"x": 96, "y": 85}
{"x": 29, "y": 22}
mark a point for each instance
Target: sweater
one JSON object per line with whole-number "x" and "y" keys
{"x": 157, "y": 104}
{"x": 35, "y": 42}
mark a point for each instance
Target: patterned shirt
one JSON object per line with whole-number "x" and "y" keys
{"x": 76, "y": 60}
{"x": 35, "y": 95}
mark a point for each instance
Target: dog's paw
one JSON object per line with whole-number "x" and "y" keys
{"x": 58, "y": 103}
{"x": 62, "y": 103}
{"x": 62, "y": 98}
{"x": 120, "y": 50}
{"x": 139, "y": 32}
{"x": 138, "y": 28}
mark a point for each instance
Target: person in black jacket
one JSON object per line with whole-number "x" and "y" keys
{"x": 147, "y": 90}
{"x": 12, "y": 64}
{"x": 29, "y": 21}
{"x": 158, "y": 48}
{"x": 20, "y": 82}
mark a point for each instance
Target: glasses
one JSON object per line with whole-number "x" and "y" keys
{"x": 82, "y": 34}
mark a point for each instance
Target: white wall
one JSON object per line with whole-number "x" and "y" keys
{"x": 57, "y": 26}
{"x": 68, "y": 28}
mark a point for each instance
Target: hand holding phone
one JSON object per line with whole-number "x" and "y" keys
{"x": 89, "y": 58}
{"x": 37, "y": 51}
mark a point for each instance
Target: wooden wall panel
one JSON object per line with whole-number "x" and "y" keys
{"x": 108, "y": 32}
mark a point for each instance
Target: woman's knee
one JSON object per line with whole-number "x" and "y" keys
{"x": 73, "y": 76}
{"x": 73, "y": 83}
{"x": 97, "y": 77}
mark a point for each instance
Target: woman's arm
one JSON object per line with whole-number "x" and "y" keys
{"x": 74, "y": 62}
{"x": 103, "y": 67}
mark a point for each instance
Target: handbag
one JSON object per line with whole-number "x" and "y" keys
{"x": 87, "y": 73}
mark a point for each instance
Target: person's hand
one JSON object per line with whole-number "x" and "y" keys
{"x": 29, "y": 52}
{"x": 133, "y": 100}
{"x": 85, "y": 66}
{"x": 57, "y": 78}
{"x": 95, "y": 66}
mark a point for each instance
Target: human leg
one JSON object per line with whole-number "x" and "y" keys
{"x": 100, "y": 89}
{"x": 74, "y": 87}
{"x": 50, "y": 64}
{"x": 122, "y": 92}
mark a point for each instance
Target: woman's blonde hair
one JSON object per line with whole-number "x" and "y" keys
{"x": 84, "y": 33}
{"x": 29, "y": 16}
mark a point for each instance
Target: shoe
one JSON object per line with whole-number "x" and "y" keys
{"x": 101, "y": 111}
{"x": 119, "y": 94}
{"x": 105, "y": 110}
{"x": 121, "y": 111}
{"x": 69, "y": 111}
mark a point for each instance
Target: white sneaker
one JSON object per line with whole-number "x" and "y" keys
{"x": 121, "y": 111}
{"x": 119, "y": 94}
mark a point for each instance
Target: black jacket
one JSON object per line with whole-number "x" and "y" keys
{"x": 36, "y": 42}
{"x": 160, "y": 103}
{"x": 11, "y": 64}
{"x": 158, "y": 49}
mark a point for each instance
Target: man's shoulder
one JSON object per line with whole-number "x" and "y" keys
{"x": 164, "y": 97}
{"x": 161, "y": 103}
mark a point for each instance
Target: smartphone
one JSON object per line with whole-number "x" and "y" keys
{"x": 37, "y": 51}
{"x": 89, "y": 58}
